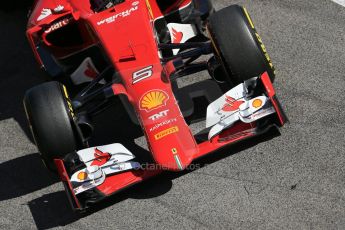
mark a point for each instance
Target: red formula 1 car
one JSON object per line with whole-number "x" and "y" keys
{"x": 136, "y": 50}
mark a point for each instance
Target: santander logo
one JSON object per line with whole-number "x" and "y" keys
{"x": 231, "y": 104}
{"x": 100, "y": 158}
{"x": 90, "y": 71}
{"x": 177, "y": 36}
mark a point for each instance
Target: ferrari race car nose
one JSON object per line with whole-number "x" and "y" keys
{"x": 171, "y": 142}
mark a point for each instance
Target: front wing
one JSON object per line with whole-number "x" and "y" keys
{"x": 96, "y": 173}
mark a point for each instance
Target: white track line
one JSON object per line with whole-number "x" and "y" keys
{"x": 340, "y": 2}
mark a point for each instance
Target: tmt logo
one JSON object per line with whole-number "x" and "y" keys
{"x": 159, "y": 115}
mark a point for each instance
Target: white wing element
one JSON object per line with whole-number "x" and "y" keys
{"x": 87, "y": 178}
{"x": 86, "y": 72}
{"x": 180, "y": 33}
{"x": 101, "y": 161}
{"x": 94, "y": 176}
{"x": 225, "y": 106}
{"x": 233, "y": 110}
{"x": 114, "y": 153}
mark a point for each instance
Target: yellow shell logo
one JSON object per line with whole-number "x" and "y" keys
{"x": 257, "y": 103}
{"x": 82, "y": 176}
{"x": 153, "y": 100}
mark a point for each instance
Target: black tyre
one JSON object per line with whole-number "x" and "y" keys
{"x": 50, "y": 116}
{"x": 238, "y": 45}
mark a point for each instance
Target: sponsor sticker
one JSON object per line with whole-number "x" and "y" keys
{"x": 86, "y": 72}
{"x": 82, "y": 176}
{"x": 100, "y": 158}
{"x": 123, "y": 14}
{"x": 159, "y": 115}
{"x": 166, "y": 132}
{"x": 231, "y": 104}
{"x": 162, "y": 124}
{"x": 257, "y": 103}
{"x": 57, "y": 25}
{"x": 177, "y": 36}
{"x": 153, "y": 99}
{"x": 59, "y": 8}
{"x": 44, "y": 13}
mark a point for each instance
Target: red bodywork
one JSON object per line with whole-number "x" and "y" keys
{"x": 130, "y": 44}
{"x": 128, "y": 40}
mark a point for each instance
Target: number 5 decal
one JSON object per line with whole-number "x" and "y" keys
{"x": 142, "y": 74}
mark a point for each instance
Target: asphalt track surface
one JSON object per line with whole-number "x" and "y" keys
{"x": 293, "y": 181}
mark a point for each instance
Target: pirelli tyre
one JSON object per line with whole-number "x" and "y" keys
{"x": 50, "y": 115}
{"x": 238, "y": 45}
